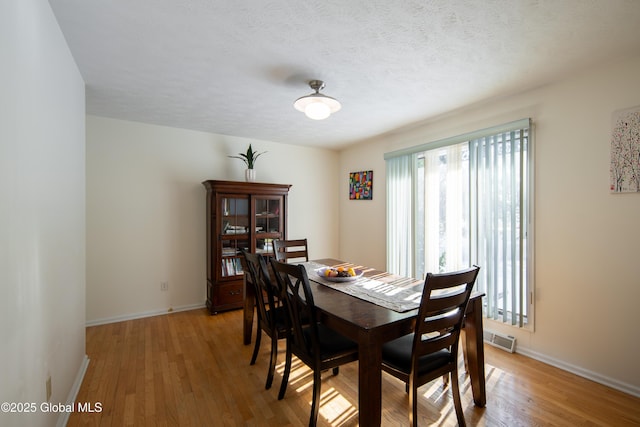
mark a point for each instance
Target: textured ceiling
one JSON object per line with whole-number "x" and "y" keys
{"x": 234, "y": 67}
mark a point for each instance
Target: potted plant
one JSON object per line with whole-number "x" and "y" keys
{"x": 249, "y": 158}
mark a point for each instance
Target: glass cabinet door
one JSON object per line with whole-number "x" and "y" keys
{"x": 234, "y": 234}
{"x": 268, "y": 223}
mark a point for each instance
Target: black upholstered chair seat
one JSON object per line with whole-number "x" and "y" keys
{"x": 331, "y": 342}
{"x": 397, "y": 354}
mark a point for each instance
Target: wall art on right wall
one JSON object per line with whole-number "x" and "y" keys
{"x": 625, "y": 151}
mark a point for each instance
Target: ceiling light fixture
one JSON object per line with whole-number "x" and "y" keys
{"x": 317, "y": 106}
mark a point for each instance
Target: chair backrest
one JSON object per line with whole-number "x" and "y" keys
{"x": 441, "y": 313}
{"x": 290, "y": 250}
{"x": 298, "y": 302}
{"x": 261, "y": 281}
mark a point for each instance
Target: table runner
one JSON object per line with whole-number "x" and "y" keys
{"x": 396, "y": 293}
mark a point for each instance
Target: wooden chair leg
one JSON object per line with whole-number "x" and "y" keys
{"x": 455, "y": 390}
{"x": 315, "y": 405}
{"x": 272, "y": 361}
{"x": 256, "y": 347}
{"x": 463, "y": 340}
{"x": 413, "y": 406}
{"x": 445, "y": 380}
{"x": 336, "y": 370}
{"x": 285, "y": 375}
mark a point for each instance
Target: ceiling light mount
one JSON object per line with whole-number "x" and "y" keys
{"x": 317, "y": 106}
{"x": 316, "y": 85}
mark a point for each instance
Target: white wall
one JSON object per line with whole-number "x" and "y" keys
{"x": 146, "y": 210}
{"x": 362, "y": 222}
{"x": 42, "y": 211}
{"x": 587, "y": 240}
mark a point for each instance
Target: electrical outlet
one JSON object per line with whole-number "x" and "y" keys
{"x": 164, "y": 286}
{"x": 48, "y": 387}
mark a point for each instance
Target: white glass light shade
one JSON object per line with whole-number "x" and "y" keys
{"x": 317, "y": 106}
{"x": 317, "y": 111}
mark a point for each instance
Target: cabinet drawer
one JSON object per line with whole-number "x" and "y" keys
{"x": 229, "y": 294}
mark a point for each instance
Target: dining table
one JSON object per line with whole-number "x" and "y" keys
{"x": 371, "y": 325}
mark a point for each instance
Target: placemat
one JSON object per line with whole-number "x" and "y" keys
{"x": 395, "y": 293}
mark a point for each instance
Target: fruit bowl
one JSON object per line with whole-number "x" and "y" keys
{"x": 346, "y": 275}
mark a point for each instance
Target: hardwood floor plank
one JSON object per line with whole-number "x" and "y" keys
{"x": 191, "y": 368}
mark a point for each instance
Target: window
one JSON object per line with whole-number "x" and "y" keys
{"x": 442, "y": 211}
{"x": 462, "y": 201}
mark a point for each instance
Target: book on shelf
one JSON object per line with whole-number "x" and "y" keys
{"x": 229, "y": 251}
{"x": 231, "y": 267}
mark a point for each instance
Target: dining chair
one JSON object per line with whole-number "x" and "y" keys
{"x": 316, "y": 345}
{"x": 290, "y": 250}
{"x": 271, "y": 314}
{"x": 431, "y": 351}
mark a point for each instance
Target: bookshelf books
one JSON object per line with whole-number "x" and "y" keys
{"x": 231, "y": 267}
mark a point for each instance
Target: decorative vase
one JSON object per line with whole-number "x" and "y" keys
{"x": 250, "y": 175}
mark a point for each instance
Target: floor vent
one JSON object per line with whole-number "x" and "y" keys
{"x": 505, "y": 342}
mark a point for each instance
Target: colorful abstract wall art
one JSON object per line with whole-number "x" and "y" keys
{"x": 361, "y": 185}
{"x": 625, "y": 151}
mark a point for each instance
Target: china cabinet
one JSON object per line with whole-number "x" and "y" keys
{"x": 240, "y": 216}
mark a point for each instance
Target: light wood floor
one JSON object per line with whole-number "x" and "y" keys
{"x": 191, "y": 369}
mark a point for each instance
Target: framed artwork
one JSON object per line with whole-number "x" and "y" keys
{"x": 625, "y": 151}
{"x": 361, "y": 185}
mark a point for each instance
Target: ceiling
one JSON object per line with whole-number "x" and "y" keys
{"x": 235, "y": 67}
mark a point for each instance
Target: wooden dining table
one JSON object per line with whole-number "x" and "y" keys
{"x": 371, "y": 325}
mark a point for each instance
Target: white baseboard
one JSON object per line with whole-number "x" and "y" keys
{"x": 63, "y": 418}
{"x": 585, "y": 373}
{"x": 151, "y": 313}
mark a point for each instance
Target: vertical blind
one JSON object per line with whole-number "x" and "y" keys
{"x": 499, "y": 197}
{"x": 399, "y": 215}
{"x": 461, "y": 201}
